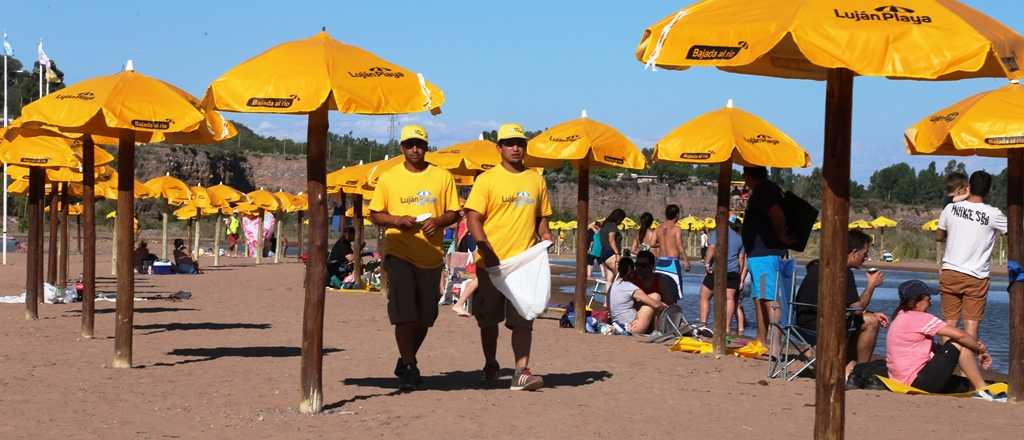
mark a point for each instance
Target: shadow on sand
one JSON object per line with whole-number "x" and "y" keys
{"x": 138, "y": 310}
{"x": 213, "y": 353}
{"x": 471, "y": 380}
{"x": 177, "y": 326}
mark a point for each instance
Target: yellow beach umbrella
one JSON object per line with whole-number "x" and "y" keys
{"x": 730, "y": 135}
{"x": 264, "y": 200}
{"x": 556, "y": 225}
{"x": 300, "y": 202}
{"x": 586, "y": 143}
{"x": 350, "y": 179}
{"x": 466, "y": 157}
{"x": 170, "y": 188}
{"x": 39, "y": 151}
{"x": 931, "y": 225}
{"x": 710, "y": 223}
{"x": 108, "y": 189}
{"x": 313, "y": 76}
{"x": 191, "y": 210}
{"x": 571, "y": 224}
{"x": 222, "y": 195}
{"x": 247, "y": 208}
{"x": 689, "y": 222}
{"x": 834, "y": 40}
{"x": 987, "y": 124}
{"x": 200, "y": 197}
{"x": 629, "y": 224}
{"x": 882, "y": 222}
{"x": 860, "y": 224}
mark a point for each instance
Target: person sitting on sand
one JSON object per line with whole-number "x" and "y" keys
{"x": 341, "y": 257}
{"x": 183, "y": 262}
{"x": 143, "y": 257}
{"x": 630, "y": 306}
{"x": 651, "y": 281}
{"x": 912, "y": 358}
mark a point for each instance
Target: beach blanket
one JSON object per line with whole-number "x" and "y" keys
{"x": 525, "y": 280}
{"x": 902, "y": 388}
{"x": 51, "y": 295}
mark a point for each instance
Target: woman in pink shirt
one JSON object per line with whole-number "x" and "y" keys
{"x": 912, "y": 358}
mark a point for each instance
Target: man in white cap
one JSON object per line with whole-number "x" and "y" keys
{"x": 506, "y": 211}
{"x": 414, "y": 201}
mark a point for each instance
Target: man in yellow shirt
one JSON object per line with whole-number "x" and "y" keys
{"x": 506, "y": 210}
{"x": 414, "y": 201}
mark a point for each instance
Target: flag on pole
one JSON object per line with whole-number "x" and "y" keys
{"x": 43, "y": 59}
{"x": 8, "y": 50}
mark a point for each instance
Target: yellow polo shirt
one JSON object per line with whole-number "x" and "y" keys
{"x": 511, "y": 203}
{"x": 402, "y": 192}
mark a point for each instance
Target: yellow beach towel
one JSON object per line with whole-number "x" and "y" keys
{"x": 691, "y": 345}
{"x": 902, "y": 388}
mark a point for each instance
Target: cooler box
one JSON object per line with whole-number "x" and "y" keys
{"x": 162, "y": 267}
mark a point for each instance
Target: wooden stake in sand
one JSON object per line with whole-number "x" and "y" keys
{"x": 582, "y": 269}
{"x": 357, "y": 241}
{"x": 216, "y": 240}
{"x": 721, "y": 255}
{"x": 51, "y": 254}
{"x": 34, "y": 262}
{"x": 1015, "y": 249}
{"x": 89, "y": 250}
{"x": 125, "y": 231}
{"x": 62, "y": 264}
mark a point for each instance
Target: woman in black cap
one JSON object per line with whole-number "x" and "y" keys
{"x": 912, "y": 358}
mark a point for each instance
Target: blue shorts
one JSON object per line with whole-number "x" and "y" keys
{"x": 764, "y": 276}
{"x": 670, "y": 266}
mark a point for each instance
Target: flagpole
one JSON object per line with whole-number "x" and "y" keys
{"x": 4, "y": 262}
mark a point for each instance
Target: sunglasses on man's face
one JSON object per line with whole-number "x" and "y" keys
{"x": 510, "y": 143}
{"x": 415, "y": 144}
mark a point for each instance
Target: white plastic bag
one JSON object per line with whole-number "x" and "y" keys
{"x": 525, "y": 280}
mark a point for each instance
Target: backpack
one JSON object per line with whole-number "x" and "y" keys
{"x": 800, "y": 218}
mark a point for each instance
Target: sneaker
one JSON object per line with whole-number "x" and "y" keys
{"x": 491, "y": 372}
{"x": 408, "y": 376}
{"x": 704, "y": 332}
{"x": 524, "y": 380}
{"x": 987, "y": 396}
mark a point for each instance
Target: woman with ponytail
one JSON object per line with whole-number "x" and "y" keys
{"x": 629, "y": 306}
{"x": 646, "y": 240}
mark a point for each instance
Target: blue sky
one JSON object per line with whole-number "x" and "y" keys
{"x": 533, "y": 62}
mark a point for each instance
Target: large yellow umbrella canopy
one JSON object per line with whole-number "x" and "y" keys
{"x": 247, "y": 208}
{"x": 350, "y": 179}
{"x": 52, "y": 174}
{"x": 931, "y": 225}
{"x": 860, "y": 224}
{"x": 585, "y": 139}
{"x": 730, "y": 134}
{"x": 286, "y": 200}
{"x": 300, "y": 202}
{"x": 986, "y": 124}
{"x": 98, "y": 106}
{"x": 191, "y": 210}
{"x": 108, "y": 189}
{"x": 175, "y": 191}
{"x": 924, "y": 39}
{"x": 690, "y": 222}
{"x": 38, "y": 151}
{"x": 265, "y": 200}
{"x": 466, "y": 157}
{"x": 222, "y": 195}
{"x": 200, "y": 197}
{"x": 882, "y": 222}
{"x": 298, "y": 76}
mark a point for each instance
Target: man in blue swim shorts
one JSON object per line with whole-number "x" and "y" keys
{"x": 765, "y": 240}
{"x": 671, "y": 247}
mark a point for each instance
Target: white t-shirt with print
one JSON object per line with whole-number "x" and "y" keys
{"x": 970, "y": 234}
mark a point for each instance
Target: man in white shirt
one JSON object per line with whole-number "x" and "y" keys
{"x": 969, "y": 229}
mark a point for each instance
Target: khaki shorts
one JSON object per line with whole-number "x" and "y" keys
{"x": 962, "y": 296}
{"x": 490, "y": 307}
{"x": 413, "y": 292}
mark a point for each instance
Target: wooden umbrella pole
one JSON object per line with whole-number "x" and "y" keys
{"x": 33, "y": 271}
{"x": 216, "y": 240}
{"x": 195, "y": 236}
{"x": 259, "y": 239}
{"x": 721, "y": 255}
{"x": 277, "y": 239}
{"x": 582, "y": 219}
{"x": 62, "y": 263}
{"x": 51, "y": 254}
{"x": 125, "y": 232}
{"x": 357, "y": 223}
{"x": 298, "y": 234}
{"x": 89, "y": 251}
{"x": 113, "y": 248}
{"x": 78, "y": 234}
{"x": 1015, "y": 252}
{"x": 163, "y": 231}
{"x": 830, "y": 401}
{"x": 313, "y": 308}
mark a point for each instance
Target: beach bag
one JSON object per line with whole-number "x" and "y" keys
{"x": 525, "y": 280}
{"x": 800, "y": 218}
{"x": 595, "y": 246}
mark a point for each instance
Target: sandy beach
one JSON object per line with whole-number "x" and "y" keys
{"x": 225, "y": 364}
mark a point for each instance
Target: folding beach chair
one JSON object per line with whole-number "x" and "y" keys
{"x": 794, "y": 346}
{"x": 599, "y": 293}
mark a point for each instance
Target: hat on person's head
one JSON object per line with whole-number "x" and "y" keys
{"x": 915, "y": 288}
{"x": 413, "y": 132}
{"x": 511, "y": 131}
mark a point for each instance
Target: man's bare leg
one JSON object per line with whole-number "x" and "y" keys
{"x": 761, "y": 309}
{"x": 969, "y": 365}
{"x": 774, "y": 314}
{"x": 730, "y": 307}
{"x": 409, "y": 336}
{"x": 866, "y": 338}
{"x": 489, "y": 344}
{"x": 522, "y": 340}
{"x": 971, "y": 327}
